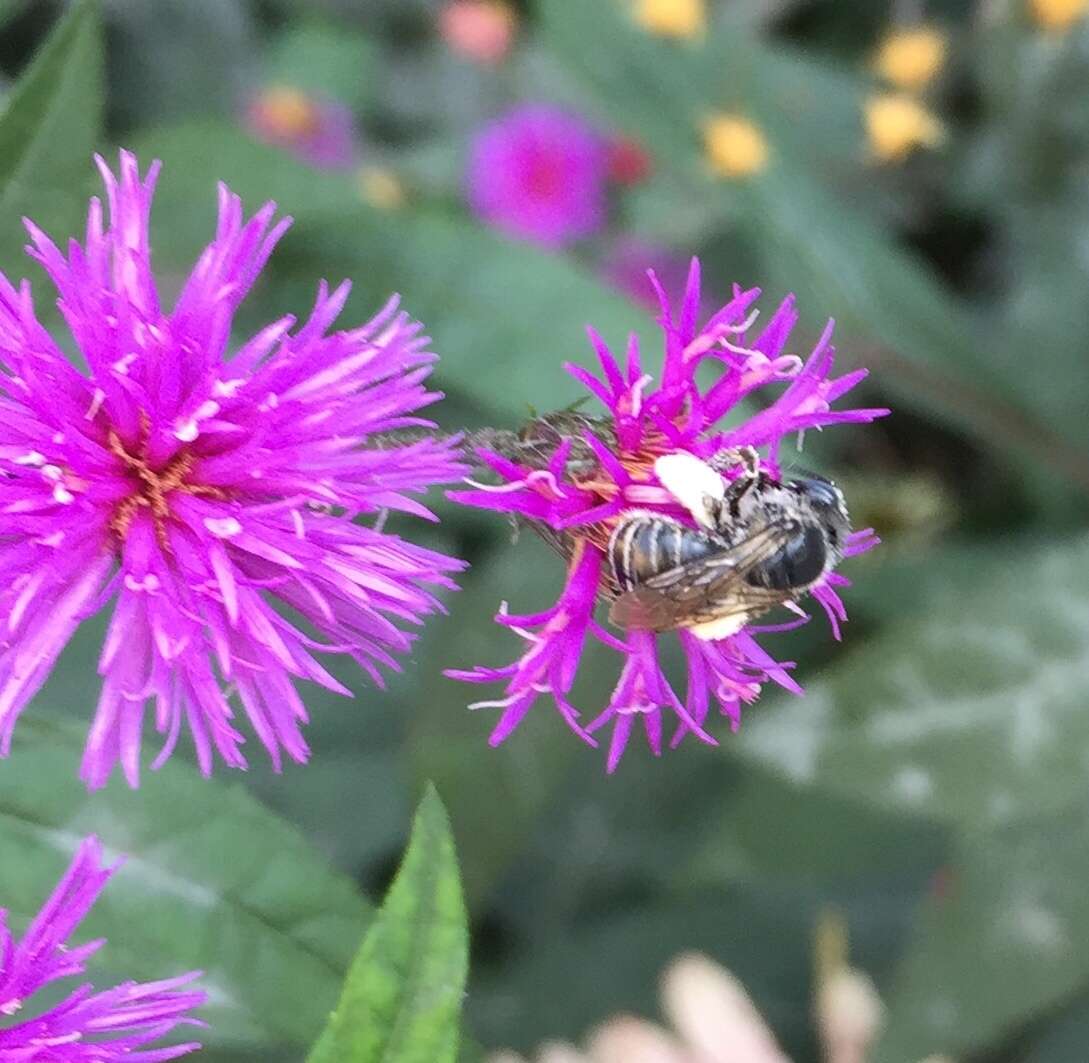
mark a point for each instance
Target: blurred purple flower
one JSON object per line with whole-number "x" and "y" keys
{"x": 539, "y": 173}
{"x": 203, "y": 493}
{"x": 85, "y": 1026}
{"x": 676, "y": 416}
{"x": 625, "y": 268}
{"x": 318, "y": 131}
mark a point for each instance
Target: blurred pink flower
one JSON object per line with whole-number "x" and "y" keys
{"x": 625, "y": 267}
{"x": 712, "y": 1020}
{"x": 318, "y": 131}
{"x": 539, "y": 173}
{"x": 480, "y": 30}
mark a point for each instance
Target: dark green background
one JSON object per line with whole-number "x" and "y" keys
{"x": 946, "y": 740}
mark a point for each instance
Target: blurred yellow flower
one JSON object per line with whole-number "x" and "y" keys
{"x": 672, "y": 18}
{"x": 734, "y": 146}
{"x": 288, "y": 112}
{"x": 1058, "y": 15}
{"x": 910, "y": 58}
{"x": 897, "y": 124}
{"x": 380, "y": 188}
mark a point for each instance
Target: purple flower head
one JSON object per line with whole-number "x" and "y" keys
{"x": 625, "y": 267}
{"x": 318, "y": 131}
{"x": 210, "y": 497}
{"x": 539, "y": 173}
{"x": 616, "y": 463}
{"x": 86, "y": 1026}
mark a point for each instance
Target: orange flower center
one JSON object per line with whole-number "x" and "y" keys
{"x": 152, "y": 487}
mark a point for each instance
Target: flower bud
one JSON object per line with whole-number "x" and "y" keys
{"x": 710, "y": 1009}
{"x": 627, "y": 1039}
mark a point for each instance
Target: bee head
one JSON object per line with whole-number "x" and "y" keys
{"x": 827, "y": 503}
{"x": 821, "y": 493}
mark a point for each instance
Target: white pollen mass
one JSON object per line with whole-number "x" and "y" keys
{"x": 223, "y": 527}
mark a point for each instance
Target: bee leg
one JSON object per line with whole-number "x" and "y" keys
{"x": 746, "y": 457}
{"x": 749, "y": 460}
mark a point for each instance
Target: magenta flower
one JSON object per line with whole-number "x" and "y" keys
{"x": 615, "y": 461}
{"x": 539, "y": 173}
{"x": 318, "y": 131}
{"x": 203, "y": 494}
{"x": 85, "y": 1026}
{"x": 625, "y": 267}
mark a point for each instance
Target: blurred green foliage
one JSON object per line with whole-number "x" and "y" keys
{"x": 932, "y": 785}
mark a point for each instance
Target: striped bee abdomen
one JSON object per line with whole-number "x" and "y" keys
{"x": 644, "y": 545}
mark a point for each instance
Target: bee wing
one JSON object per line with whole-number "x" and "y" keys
{"x": 712, "y": 588}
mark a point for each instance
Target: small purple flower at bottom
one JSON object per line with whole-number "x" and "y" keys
{"x": 85, "y": 1026}
{"x": 540, "y": 173}
{"x": 210, "y": 493}
{"x": 597, "y": 478}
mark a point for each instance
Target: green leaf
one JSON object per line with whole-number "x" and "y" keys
{"x": 1005, "y": 939}
{"x": 969, "y": 711}
{"x": 9, "y": 9}
{"x": 1065, "y": 1039}
{"x": 48, "y": 132}
{"x": 332, "y": 61}
{"x": 402, "y": 999}
{"x": 175, "y": 58}
{"x": 213, "y": 881}
{"x": 966, "y": 709}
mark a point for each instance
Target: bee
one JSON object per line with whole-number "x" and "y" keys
{"x": 758, "y": 543}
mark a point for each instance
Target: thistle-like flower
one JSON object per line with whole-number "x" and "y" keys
{"x": 600, "y": 492}
{"x": 211, "y": 497}
{"x": 85, "y": 1026}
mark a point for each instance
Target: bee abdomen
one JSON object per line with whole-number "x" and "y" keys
{"x": 645, "y": 545}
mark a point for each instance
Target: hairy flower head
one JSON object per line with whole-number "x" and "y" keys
{"x": 85, "y": 1026}
{"x": 582, "y": 481}
{"x": 210, "y": 495}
